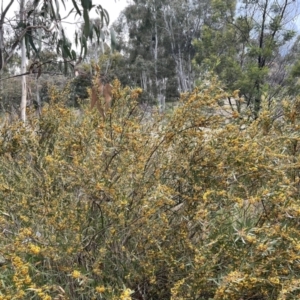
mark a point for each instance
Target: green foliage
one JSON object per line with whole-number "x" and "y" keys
{"x": 41, "y": 24}
{"x": 187, "y": 206}
{"x": 245, "y": 48}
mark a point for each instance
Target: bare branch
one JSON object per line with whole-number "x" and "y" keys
{"x": 5, "y": 12}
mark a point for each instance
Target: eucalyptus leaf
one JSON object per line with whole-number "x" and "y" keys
{"x": 76, "y": 38}
{"x": 76, "y": 7}
{"x": 53, "y": 16}
{"x": 86, "y": 22}
{"x": 106, "y": 16}
{"x": 91, "y": 32}
{"x": 63, "y": 2}
{"x": 73, "y": 54}
{"x": 29, "y": 13}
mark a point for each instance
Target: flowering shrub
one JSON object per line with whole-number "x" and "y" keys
{"x": 182, "y": 206}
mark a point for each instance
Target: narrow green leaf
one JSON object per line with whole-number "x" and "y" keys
{"x": 97, "y": 31}
{"x": 73, "y": 54}
{"x": 29, "y": 37}
{"x": 54, "y": 37}
{"x": 52, "y": 14}
{"x": 91, "y": 32}
{"x": 58, "y": 47}
{"x": 63, "y": 2}
{"x": 29, "y": 13}
{"x": 76, "y": 38}
{"x": 83, "y": 47}
{"x": 76, "y": 7}
{"x": 67, "y": 51}
{"x": 86, "y": 22}
{"x": 106, "y": 16}
{"x": 84, "y": 51}
{"x": 103, "y": 15}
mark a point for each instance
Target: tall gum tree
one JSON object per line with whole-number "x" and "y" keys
{"x": 270, "y": 32}
{"x": 243, "y": 44}
{"x": 158, "y": 46}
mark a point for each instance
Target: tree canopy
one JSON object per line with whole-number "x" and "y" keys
{"x": 42, "y": 23}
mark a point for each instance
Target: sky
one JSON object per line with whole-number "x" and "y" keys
{"x": 113, "y": 7}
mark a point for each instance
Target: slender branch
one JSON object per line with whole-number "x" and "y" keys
{"x": 35, "y": 72}
{"x": 261, "y": 60}
{"x": 281, "y": 18}
{"x": 5, "y": 12}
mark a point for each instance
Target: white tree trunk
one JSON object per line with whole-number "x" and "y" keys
{"x": 23, "y": 66}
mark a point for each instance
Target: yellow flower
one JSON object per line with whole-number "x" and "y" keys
{"x": 76, "y": 274}
{"x": 100, "y": 289}
{"x": 34, "y": 249}
{"x": 274, "y": 280}
{"x": 24, "y": 232}
{"x": 262, "y": 247}
{"x": 251, "y": 239}
{"x": 27, "y": 279}
{"x": 49, "y": 159}
{"x": 126, "y": 294}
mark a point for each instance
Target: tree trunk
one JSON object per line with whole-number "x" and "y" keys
{"x": 23, "y": 66}
{"x": 158, "y": 92}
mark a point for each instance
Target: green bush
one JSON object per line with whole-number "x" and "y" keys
{"x": 131, "y": 207}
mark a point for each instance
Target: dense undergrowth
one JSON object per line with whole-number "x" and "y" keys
{"x": 182, "y": 206}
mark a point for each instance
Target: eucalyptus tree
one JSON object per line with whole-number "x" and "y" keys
{"x": 39, "y": 19}
{"x": 289, "y": 77}
{"x": 246, "y": 50}
{"x": 271, "y": 31}
{"x": 156, "y": 40}
{"x": 182, "y": 23}
{"x": 144, "y": 48}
